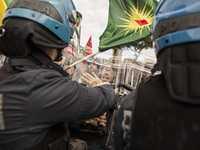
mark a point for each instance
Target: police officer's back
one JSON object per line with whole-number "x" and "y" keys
{"x": 36, "y": 98}
{"x": 167, "y": 108}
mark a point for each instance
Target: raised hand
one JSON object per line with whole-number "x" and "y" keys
{"x": 92, "y": 80}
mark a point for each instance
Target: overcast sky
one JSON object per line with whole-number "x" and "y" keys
{"x": 94, "y": 21}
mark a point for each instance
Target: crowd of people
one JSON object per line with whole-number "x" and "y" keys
{"x": 47, "y": 104}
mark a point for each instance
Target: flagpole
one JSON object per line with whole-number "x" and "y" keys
{"x": 85, "y": 58}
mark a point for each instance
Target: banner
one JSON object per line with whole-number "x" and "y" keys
{"x": 128, "y": 21}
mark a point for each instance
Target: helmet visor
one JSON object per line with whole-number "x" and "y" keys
{"x": 76, "y": 27}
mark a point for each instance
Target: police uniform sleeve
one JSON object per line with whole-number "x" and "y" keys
{"x": 54, "y": 99}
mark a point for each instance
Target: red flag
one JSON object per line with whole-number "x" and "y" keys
{"x": 89, "y": 47}
{"x": 85, "y": 52}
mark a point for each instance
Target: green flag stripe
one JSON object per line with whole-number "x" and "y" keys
{"x": 7, "y": 2}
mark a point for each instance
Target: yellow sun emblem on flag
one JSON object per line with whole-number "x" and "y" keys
{"x": 137, "y": 20}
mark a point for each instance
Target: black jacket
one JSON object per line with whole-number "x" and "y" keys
{"x": 161, "y": 122}
{"x": 34, "y": 100}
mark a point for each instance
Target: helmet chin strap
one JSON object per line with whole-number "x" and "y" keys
{"x": 59, "y": 55}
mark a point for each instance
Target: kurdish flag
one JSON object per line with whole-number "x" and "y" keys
{"x": 128, "y": 21}
{"x": 3, "y": 7}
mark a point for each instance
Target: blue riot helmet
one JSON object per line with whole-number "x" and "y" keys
{"x": 49, "y": 23}
{"x": 176, "y": 22}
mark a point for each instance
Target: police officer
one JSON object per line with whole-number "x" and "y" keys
{"x": 122, "y": 128}
{"x": 36, "y": 98}
{"x": 167, "y": 108}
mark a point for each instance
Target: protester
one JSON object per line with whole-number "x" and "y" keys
{"x": 36, "y": 99}
{"x": 92, "y": 66}
{"x": 108, "y": 74}
{"x": 167, "y": 105}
